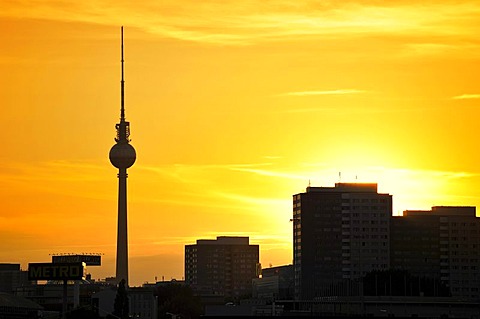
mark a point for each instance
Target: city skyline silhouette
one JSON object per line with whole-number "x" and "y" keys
{"x": 232, "y": 116}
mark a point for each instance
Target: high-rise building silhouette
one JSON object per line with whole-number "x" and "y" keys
{"x": 122, "y": 156}
{"x": 340, "y": 233}
{"x": 442, "y": 244}
{"x": 223, "y": 267}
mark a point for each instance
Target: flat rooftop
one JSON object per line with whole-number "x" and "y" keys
{"x": 346, "y": 188}
{"x": 224, "y": 240}
{"x": 443, "y": 211}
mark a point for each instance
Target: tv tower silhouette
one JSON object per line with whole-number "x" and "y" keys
{"x": 122, "y": 156}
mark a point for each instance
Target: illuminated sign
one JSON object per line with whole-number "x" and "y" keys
{"x": 56, "y": 271}
{"x": 89, "y": 260}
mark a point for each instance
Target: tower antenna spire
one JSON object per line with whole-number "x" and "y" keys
{"x": 122, "y": 99}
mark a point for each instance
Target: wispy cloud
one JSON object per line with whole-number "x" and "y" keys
{"x": 427, "y": 48}
{"x": 58, "y": 170}
{"x": 252, "y": 201}
{"x": 413, "y": 173}
{"x": 246, "y": 22}
{"x": 272, "y": 157}
{"x": 269, "y": 173}
{"x": 352, "y": 110}
{"x": 326, "y": 92}
{"x": 466, "y": 97}
{"x": 52, "y": 182}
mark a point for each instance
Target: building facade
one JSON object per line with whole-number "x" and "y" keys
{"x": 276, "y": 283}
{"x": 443, "y": 243}
{"x": 143, "y": 303}
{"x": 11, "y": 277}
{"x": 339, "y": 234}
{"x": 221, "y": 267}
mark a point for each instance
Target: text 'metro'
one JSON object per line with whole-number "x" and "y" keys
{"x": 56, "y": 271}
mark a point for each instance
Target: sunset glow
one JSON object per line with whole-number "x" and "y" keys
{"x": 234, "y": 107}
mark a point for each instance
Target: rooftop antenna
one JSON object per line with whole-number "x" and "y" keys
{"x": 339, "y": 177}
{"x": 122, "y": 99}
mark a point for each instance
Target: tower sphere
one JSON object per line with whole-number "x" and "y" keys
{"x": 122, "y": 155}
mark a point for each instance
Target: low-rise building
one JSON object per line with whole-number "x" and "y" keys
{"x": 221, "y": 267}
{"x": 276, "y": 283}
{"x": 11, "y": 277}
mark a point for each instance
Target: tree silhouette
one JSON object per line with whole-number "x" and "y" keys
{"x": 177, "y": 299}
{"x": 395, "y": 282}
{"x": 83, "y": 313}
{"x": 121, "y": 306}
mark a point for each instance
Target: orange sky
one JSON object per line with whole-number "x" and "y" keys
{"x": 234, "y": 106}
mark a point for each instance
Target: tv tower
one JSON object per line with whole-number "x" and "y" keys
{"x": 122, "y": 156}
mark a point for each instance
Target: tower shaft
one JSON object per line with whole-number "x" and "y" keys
{"x": 122, "y": 235}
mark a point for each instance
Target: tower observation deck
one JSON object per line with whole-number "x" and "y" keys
{"x": 122, "y": 156}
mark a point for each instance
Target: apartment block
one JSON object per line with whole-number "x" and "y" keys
{"x": 221, "y": 267}
{"x": 340, "y": 233}
{"x": 442, "y": 243}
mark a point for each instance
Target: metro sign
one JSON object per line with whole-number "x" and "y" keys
{"x": 56, "y": 271}
{"x": 89, "y": 260}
